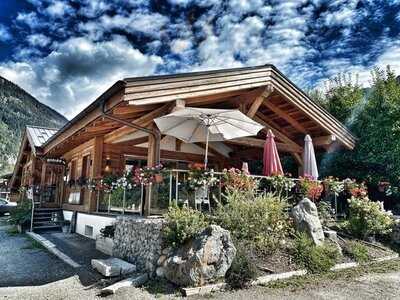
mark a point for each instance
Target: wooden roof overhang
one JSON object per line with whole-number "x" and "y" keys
{"x": 23, "y": 153}
{"x": 261, "y": 92}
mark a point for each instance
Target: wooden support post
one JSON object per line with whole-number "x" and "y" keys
{"x": 297, "y": 157}
{"x": 151, "y": 161}
{"x": 96, "y": 169}
{"x": 42, "y": 180}
{"x": 259, "y": 100}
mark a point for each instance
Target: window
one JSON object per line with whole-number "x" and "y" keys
{"x": 88, "y": 230}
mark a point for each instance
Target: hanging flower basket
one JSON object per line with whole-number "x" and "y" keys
{"x": 158, "y": 178}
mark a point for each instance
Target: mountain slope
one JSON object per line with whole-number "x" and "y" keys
{"x": 18, "y": 109}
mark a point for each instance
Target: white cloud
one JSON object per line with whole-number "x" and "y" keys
{"x": 147, "y": 23}
{"x": 203, "y": 3}
{"x": 31, "y": 19}
{"x": 242, "y": 7}
{"x": 38, "y": 39}
{"x": 180, "y": 45}
{"x": 58, "y": 9}
{"x": 390, "y": 57}
{"x": 78, "y": 71}
{"x": 92, "y": 8}
{"x": 5, "y": 34}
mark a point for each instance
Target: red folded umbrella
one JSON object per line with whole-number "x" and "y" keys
{"x": 272, "y": 163}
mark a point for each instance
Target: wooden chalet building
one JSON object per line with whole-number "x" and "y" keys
{"x": 118, "y": 127}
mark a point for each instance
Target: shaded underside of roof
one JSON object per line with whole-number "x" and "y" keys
{"x": 166, "y": 88}
{"x": 152, "y": 91}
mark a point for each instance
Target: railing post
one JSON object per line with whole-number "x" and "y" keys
{"x": 141, "y": 199}
{"x": 170, "y": 188}
{"x": 109, "y": 202}
{"x": 123, "y": 201}
{"x": 176, "y": 187}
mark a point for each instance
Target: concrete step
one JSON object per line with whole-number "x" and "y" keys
{"x": 36, "y": 217}
{"x": 46, "y": 227}
{"x": 46, "y": 222}
{"x": 42, "y": 213}
{"x": 46, "y": 209}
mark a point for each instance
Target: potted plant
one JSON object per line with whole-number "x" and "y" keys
{"x": 281, "y": 183}
{"x": 333, "y": 185}
{"x": 307, "y": 187}
{"x": 21, "y": 215}
{"x": 239, "y": 180}
{"x": 148, "y": 175}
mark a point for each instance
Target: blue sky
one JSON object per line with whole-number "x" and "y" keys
{"x": 66, "y": 52}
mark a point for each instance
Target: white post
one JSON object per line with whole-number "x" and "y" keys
{"x": 206, "y": 156}
{"x": 123, "y": 201}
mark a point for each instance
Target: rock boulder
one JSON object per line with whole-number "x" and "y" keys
{"x": 201, "y": 260}
{"x": 305, "y": 215}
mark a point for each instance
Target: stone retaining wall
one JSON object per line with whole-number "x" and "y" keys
{"x": 139, "y": 241}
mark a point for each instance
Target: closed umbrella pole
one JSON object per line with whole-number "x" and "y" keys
{"x": 271, "y": 161}
{"x": 309, "y": 160}
{"x": 206, "y": 154}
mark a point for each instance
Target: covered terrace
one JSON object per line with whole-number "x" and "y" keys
{"x": 117, "y": 131}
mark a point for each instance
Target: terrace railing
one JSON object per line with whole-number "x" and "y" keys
{"x": 173, "y": 189}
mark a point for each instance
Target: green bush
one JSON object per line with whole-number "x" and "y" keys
{"x": 182, "y": 224}
{"x": 21, "y": 215}
{"x": 325, "y": 213}
{"x": 241, "y": 272}
{"x": 262, "y": 220}
{"x": 316, "y": 259}
{"x": 356, "y": 251}
{"x": 366, "y": 218}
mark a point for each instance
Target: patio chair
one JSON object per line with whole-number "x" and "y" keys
{"x": 201, "y": 196}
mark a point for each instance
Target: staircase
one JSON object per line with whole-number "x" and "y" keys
{"x": 46, "y": 219}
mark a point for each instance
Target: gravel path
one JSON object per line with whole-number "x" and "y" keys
{"x": 21, "y": 264}
{"x": 374, "y": 286}
{"x": 35, "y": 274}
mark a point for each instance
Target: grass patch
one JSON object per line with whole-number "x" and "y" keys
{"x": 316, "y": 259}
{"x": 241, "y": 272}
{"x": 309, "y": 280}
{"x": 159, "y": 288}
{"x": 357, "y": 251}
{"x": 13, "y": 231}
{"x": 33, "y": 245}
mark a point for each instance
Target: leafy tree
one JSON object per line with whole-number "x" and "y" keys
{"x": 373, "y": 115}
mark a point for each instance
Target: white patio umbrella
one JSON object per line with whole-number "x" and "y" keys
{"x": 309, "y": 161}
{"x": 193, "y": 125}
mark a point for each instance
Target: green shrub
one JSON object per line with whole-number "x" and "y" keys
{"x": 21, "y": 215}
{"x": 356, "y": 251}
{"x": 316, "y": 259}
{"x": 262, "y": 220}
{"x": 325, "y": 213}
{"x": 366, "y": 218}
{"x": 182, "y": 224}
{"x": 241, "y": 272}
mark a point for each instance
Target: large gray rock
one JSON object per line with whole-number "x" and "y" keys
{"x": 305, "y": 215}
{"x": 201, "y": 260}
